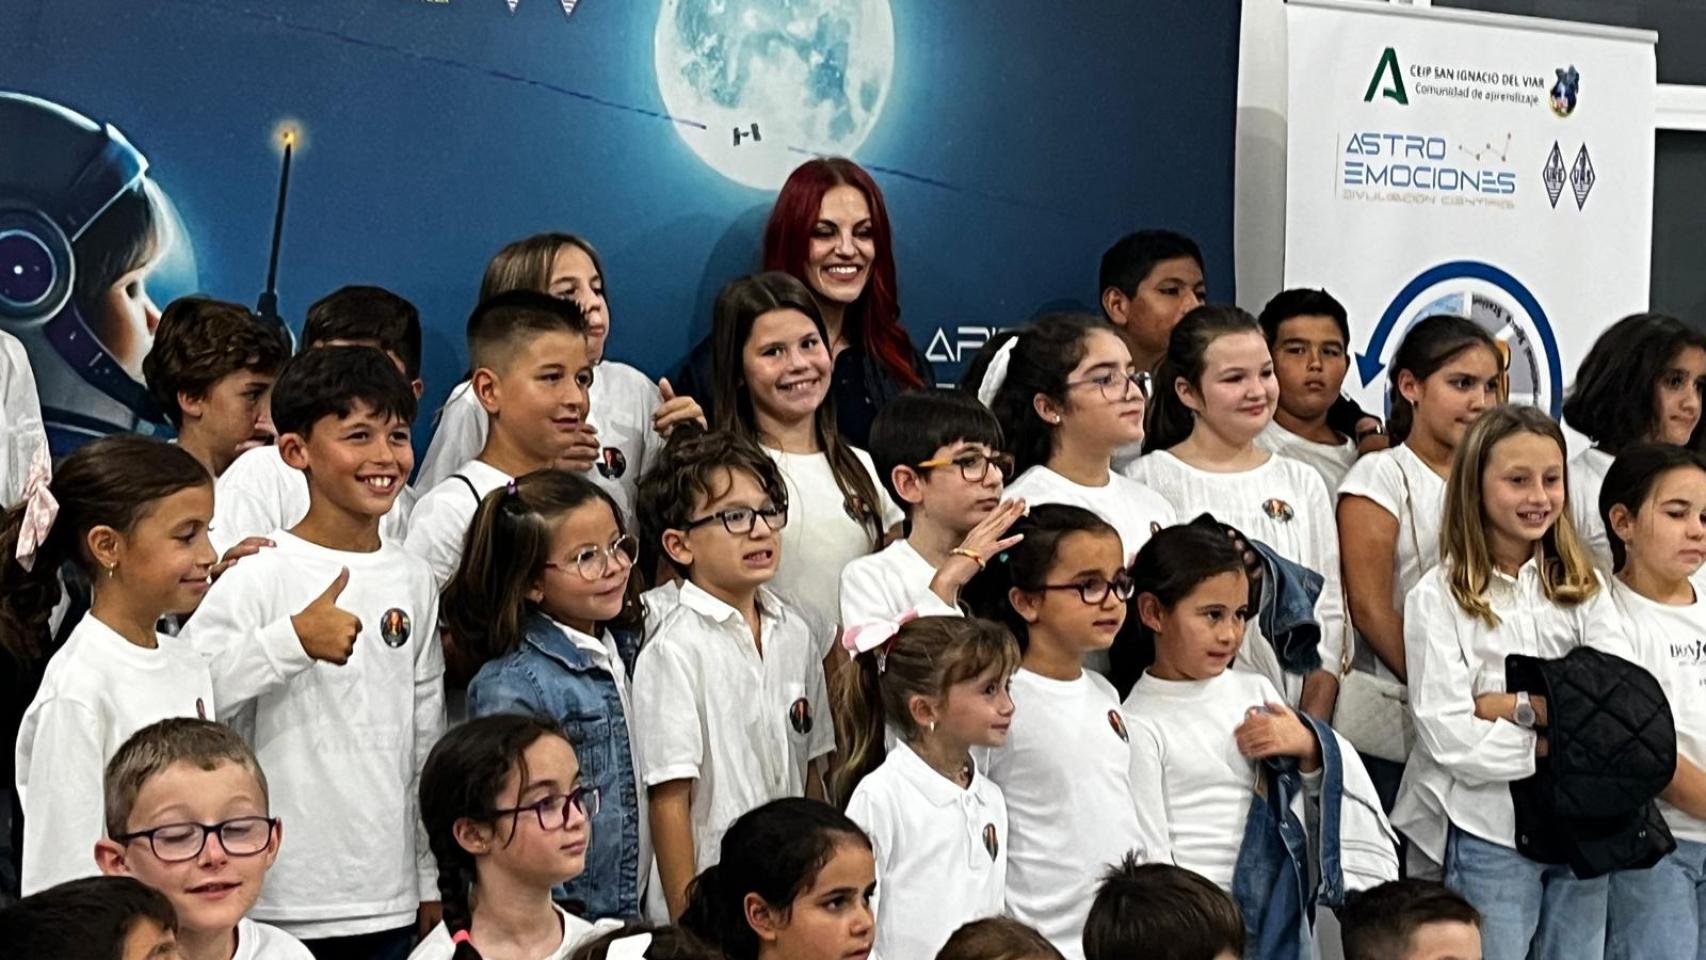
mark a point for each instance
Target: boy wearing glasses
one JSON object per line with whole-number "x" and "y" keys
{"x": 729, "y": 696}
{"x": 187, "y": 814}
{"x": 939, "y": 455}
{"x": 531, "y": 376}
{"x": 324, "y": 652}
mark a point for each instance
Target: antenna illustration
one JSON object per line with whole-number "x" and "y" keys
{"x": 268, "y": 305}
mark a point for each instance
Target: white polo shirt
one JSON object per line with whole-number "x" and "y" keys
{"x": 260, "y": 493}
{"x": 709, "y": 708}
{"x": 438, "y": 527}
{"x": 888, "y": 583}
{"x": 1130, "y": 507}
{"x": 941, "y": 851}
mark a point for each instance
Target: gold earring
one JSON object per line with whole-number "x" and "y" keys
{"x": 112, "y": 570}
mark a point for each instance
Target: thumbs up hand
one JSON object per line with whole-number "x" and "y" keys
{"x": 675, "y": 410}
{"x": 327, "y": 631}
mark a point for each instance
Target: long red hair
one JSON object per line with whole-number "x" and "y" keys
{"x": 875, "y": 316}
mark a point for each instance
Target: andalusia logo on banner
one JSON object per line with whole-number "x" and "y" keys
{"x": 1497, "y": 301}
{"x": 1395, "y": 90}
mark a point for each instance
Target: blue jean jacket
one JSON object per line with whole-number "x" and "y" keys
{"x": 548, "y": 676}
{"x": 1287, "y": 611}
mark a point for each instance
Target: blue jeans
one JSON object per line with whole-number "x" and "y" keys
{"x": 1528, "y": 909}
{"x": 1656, "y": 914}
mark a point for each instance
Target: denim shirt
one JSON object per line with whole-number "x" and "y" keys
{"x": 547, "y": 675}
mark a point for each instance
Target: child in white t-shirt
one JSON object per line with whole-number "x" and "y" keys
{"x": 938, "y": 825}
{"x": 729, "y": 700}
{"x": 1308, "y": 333}
{"x": 938, "y": 453}
{"x": 325, "y": 652}
{"x": 187, "y": 814}
{"x": 1068, "y": 397}
{"x": 508, "y": 816}
{"x": 531, "y": 377}
{"x": 132, "y": 514}
{"x": 1653, "y": 503}
{"x": 1217, "y": 392}
{"x": 1065, "y": 769}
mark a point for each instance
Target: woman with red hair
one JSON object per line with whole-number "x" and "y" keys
{"x": 830, "y": 230}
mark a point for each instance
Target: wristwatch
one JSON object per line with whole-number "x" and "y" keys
{"x": 1524, "y": 711}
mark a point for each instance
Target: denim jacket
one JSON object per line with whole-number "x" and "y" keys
{"x": 1287, "y": 611}
{"x": 1307, "y": 842}
{"x": 548, "y": 675}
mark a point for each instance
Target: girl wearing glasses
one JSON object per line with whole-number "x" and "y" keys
{"x": 1066, "y": 763}
{"x": 542, "y": 599}
{"x": 1217, "y": 394}
{"x": 508, "y": 816}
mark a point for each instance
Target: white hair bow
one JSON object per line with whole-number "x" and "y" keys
{"x": 40, "y": 509}
{"x": 629, "y": 948}
{"x": 995, "y": 374}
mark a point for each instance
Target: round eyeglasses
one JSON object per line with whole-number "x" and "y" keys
{"x": 1115, "y": 387}
{"x": 553, "y": 810}
{"x": 1095, "y": 590}
{"x": 974, "y": 466}
{"x": 594, "y": 563}
{"x": 178, "y": 842}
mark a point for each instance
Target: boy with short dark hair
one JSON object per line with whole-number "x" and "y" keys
{"x": 531, "y": 377}
{"x": 259, "y": 492}
{"x": 729, "y": 699}
{"x": 210, "y": 370}
{"x": 1161, "y": 912}
{"x": 186, "y": 806}
{"x": 1148, "y": 281}
{"x": 95, "y": 918}
{"x": 939, "y": 455}
{"x": 325, "y": 650}
{"x": 1309, "y": 336}
{"x": 1410, "y": 920}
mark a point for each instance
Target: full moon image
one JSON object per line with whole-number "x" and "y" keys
{"x": 811, "y": 74}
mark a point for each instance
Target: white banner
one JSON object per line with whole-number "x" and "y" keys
{"x": 1494, "y": 167}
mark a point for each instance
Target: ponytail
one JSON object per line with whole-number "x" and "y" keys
{"x": 110, "y": 482}
{"x": 860, "y": 724}
{"x": 1015, "y": 367}
{"x": 1170, "y": 421}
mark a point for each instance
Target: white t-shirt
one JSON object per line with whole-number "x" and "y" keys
{"x": 940, "y": 848}
{"x": 21, "y": 429}
{"x": 342, "y": 745}
{"x": 98, "y": 689}
{"x": 1402, "y": 484}
{"x": 1281, "y": 503}
{"x": 709, "y": 708}
{"x": 886, "y": 584}
{"x": 821, "y": 537}
{"x": 260, "y": 493}
{"x": 1331, "y": 460}
{"x": 1130, "y": 507}
{"x": 1193, "y": 786}
{"x": 621, "y": 405}
{"x": 1587, "y": 476}
{"x": 257, "y": 941}
{"x": 438, "y": 945}
{"x": 438, "y": 527}
{"x": 1065, "y": 772}
{"x": 1670, "y": 641}
{"x": 1462, "y": 767}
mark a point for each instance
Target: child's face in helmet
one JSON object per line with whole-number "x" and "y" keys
{"x": 124, "y": 318}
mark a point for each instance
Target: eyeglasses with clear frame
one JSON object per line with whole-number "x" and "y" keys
{"x": 740, "y": 520}
{"x": 1117, "y": 386}
{"x": 974, "y": 465}
{"x": 181, "y": 842}
{"x": 594, "y": 563}
{"x": 1095, "y": 590}
{"x": 553, "y": 810}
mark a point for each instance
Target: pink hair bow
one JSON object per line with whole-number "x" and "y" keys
{"x": 40, "y": 509}
{"x": 876, "y": 635}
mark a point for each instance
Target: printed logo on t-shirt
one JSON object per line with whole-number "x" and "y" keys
{"x": 394, "y": 627}
{"x": 1118, "y": 723}
{"x": 991, "y": 842}
{"x": 612, "y": 463}
{"x": 200, "y": 708}
{"x": 1278, "y": 509}
{"x": 1689, "y": 654}
{"x": 800, "y": 716}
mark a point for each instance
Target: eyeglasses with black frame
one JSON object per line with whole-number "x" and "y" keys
{"x": 1095, "y": 590}
{"x": 593, "y": 563}
{"x": 553, "y": 810}
{"x": 740, "y": 520}
{"x": 1116, "y": 386}
{"x": 974, "y": 465}
{"x": 180, "y": 842}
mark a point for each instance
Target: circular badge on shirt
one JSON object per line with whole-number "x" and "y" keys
{"x": 1278, "y": 509}
{"x": 991, "y": 842}
{"x": 612, "y": 463}
{"x": 394, "y": 627}
{"x": 800, "y": 716}
{"x": 1118, "y": 723}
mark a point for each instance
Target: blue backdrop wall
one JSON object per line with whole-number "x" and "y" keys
{"x": 1014, "y": 141}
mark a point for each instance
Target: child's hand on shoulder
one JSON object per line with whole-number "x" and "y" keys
{"x": 980, "y": 546}
{"x": 675, "y": 410}
{"x": 248, "y": 547}
{"x": 327, "y": 631}
{"x": 1275, "y": 730}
